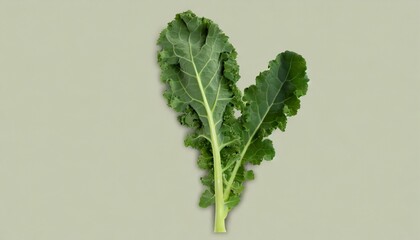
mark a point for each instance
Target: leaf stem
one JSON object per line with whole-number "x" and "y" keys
{"x": 219, "y": 218}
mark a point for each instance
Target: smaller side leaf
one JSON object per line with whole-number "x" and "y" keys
{"x": 275, "y": 95}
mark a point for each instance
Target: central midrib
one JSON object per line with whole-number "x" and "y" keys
{"x": 217, "y": 164}
{"x": 203, "y": 94}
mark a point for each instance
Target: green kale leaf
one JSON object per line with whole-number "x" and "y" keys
{"x": 199, "y": 69}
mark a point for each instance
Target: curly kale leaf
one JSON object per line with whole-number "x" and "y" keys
{"x": 199, "y": 69}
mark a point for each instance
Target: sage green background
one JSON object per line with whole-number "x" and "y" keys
{"x": 90, "y": 151}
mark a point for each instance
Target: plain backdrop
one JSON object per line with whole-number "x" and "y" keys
{"x": 90, "y": 151}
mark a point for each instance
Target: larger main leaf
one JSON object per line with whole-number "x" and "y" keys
{"x": 200, "y": 72}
